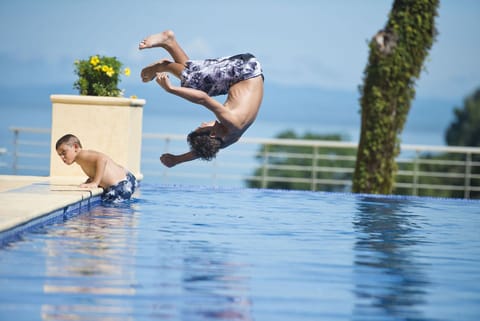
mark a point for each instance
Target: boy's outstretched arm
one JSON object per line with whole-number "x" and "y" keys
{"x": 171, "y": 160}
{"x": 99, "y": 161}
{"x": 196, "y": 96}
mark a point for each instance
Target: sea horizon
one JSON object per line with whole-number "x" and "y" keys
{"x": 313, "y": 110}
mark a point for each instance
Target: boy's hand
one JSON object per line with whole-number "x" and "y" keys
{"x": 169, "y": 160}
{"x": 164, "y": 81}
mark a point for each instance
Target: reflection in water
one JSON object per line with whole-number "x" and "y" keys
{"x": 390, "y": 282}
{"x": 216, "y": 287}
{"x": 98, "y": 268}
{"x": 91, "y": 255}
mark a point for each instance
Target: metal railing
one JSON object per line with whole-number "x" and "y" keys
{"x": 36, "y": 153}
{"x": 454, "y": 164}
{"x": 286, "y": 163}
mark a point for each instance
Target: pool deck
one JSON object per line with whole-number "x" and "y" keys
{"x": 27, "y": 200}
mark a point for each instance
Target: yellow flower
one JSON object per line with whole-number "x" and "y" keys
{"x": 110, "y": 72}
{"x": 133, "y": 96}
{"x": 94, "y": 60}
{"x": 102, "y": 72}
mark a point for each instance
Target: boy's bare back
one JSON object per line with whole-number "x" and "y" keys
{"x": 93, "y": 163}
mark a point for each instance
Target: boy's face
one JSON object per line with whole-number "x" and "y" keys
{"x": 67, "y": 153}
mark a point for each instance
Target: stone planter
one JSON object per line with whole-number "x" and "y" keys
{"x": 111, "y": 125}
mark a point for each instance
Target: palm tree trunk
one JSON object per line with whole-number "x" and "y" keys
{"x": 397, "y": 54}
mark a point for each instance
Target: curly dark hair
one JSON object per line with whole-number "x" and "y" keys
{"x": 203, "y": 145}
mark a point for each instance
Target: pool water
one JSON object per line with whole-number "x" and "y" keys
{"x": 197, "y": 253}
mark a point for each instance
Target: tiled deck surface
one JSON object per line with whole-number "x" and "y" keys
{"x": 26, "y": 199}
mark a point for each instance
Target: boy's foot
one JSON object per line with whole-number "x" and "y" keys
{"x": 157, "y": 40}
{"x": 150, "y": 72}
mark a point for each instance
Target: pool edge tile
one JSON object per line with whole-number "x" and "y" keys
{"x": 27, "y": 202}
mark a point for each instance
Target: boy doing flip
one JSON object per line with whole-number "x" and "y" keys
{"x": 239, "y": 76}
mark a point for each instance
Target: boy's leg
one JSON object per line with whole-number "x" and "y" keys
{"x": 167, "y": 41}
{"x": 149, "y": 73}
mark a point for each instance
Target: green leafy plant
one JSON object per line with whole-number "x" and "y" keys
{"x": 99, "y": 76}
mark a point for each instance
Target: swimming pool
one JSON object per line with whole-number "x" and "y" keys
{"x": 195, "y": 253}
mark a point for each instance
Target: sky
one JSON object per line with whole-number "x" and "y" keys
{"x": 314, "y": 43}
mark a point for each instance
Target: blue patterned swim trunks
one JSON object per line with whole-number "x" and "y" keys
{"x": 121, "y": 191}
{"x": 216, "y": 76}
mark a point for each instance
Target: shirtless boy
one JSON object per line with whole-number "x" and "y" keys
{"x": 117, "y": 182}
{"x": 239, "y": 76}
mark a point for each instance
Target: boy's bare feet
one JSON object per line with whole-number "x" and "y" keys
{"x": 162, "y": 39}
{"x": 150, "y": 72}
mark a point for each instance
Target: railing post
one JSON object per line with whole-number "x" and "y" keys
{"x": 468, "y": 173}
{"x": 16, "y": 133}
{"x": 313, "y": 186}
{"x": 265, "y": 166}
{"x": 214, "y": 172}
{"x": 415, "y": 174}
{"x": 165, "y": 172}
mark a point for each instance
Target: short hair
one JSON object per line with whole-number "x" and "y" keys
{"x": 203, "y": 145}
{"x": 68, "y": 139}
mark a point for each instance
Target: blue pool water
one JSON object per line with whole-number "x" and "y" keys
{"x": 192, "y": 253}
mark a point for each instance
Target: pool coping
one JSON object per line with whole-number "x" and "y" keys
{"x": 28, "y": 202}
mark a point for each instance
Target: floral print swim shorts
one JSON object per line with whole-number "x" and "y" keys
{"x": 216, "y": 76}
{"x": 121, "y": 191}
